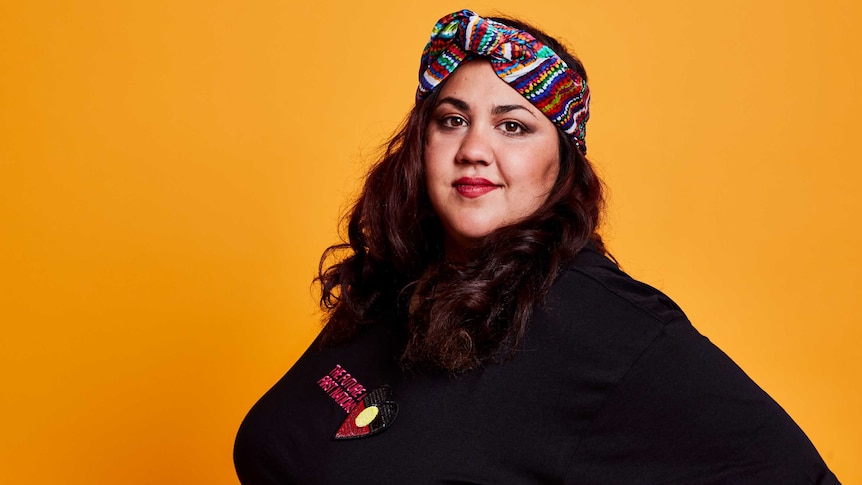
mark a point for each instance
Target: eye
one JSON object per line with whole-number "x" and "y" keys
{"x": 453, "y": 121}
{"x": 513, "y": 128}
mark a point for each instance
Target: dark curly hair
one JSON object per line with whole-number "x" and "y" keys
{"x": 457, "y": 314}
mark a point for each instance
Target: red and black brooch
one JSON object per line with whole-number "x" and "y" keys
{"x": 371, "y": 415}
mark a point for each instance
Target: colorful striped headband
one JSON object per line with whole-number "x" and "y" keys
{"x": 518, "y": 58}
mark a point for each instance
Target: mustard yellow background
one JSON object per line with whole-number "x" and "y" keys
{"x": 170, "y": 172}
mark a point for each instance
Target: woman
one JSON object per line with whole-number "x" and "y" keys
{"x": 477, "y": 331}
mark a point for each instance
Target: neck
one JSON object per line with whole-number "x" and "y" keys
{"x": 455, "y": 251}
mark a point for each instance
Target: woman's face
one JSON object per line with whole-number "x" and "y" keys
{"x": 491, "y": 157}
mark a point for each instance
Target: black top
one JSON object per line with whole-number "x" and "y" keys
{"x": 611, "y": 386}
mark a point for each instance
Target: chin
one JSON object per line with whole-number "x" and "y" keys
{"x": 468, "y": 233}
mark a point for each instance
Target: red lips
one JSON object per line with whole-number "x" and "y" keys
{"x": 472, "y": 187}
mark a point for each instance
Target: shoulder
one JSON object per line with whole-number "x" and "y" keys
{"x": 593, "y": 291}
{"x": 687, "y": 411}
{"x": 597, "y": 320}
{"x": 672, "y": 398}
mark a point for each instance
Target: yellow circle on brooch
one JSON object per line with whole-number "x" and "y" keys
{"x": 366, "y": 416}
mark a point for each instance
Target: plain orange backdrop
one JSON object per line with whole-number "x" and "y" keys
{"x": 170, "y": 172}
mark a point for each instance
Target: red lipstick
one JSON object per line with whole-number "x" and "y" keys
{"x": 472, "y": 187}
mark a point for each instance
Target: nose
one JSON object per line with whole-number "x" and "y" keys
{"x": 476, "y": 147}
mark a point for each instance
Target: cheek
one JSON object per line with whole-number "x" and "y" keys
{"x": 544, "y": 175}
{"x": 433, "y": 162}
{"x": 553, "y": 168}
{"x": 552, "y": 174}
{"x": 433, "y": 179}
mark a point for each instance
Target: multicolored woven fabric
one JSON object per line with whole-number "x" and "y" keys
{"x": 527, "y": 65}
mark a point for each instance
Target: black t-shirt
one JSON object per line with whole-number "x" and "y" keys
{"x": 611, "y": 386}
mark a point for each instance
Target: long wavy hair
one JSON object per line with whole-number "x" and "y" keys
{"x": 457, "y": 315}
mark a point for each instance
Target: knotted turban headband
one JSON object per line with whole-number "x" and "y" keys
{"x": 530, "y": 67}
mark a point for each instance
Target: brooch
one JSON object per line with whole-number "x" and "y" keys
{"x": 367, "y": 412}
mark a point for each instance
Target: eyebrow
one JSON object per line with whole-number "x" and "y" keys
{"x": 458, "y": 103}
{"x": 506, "y": 108}
{"x": 497, "y": 110}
